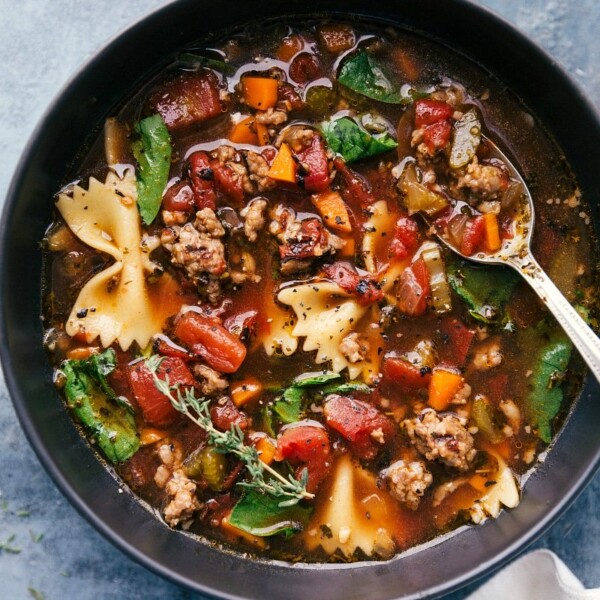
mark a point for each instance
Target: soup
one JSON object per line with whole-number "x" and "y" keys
{"x": 251, "y": 316}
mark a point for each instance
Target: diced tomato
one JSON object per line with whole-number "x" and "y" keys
{"x": 202, "y": 178}
{"x": 210, "y": 341}
{"x": 228, "y": 181}
{"x": 428, "y": 112}
{"x": 458, "y": 341}
{"x": 406, "y": 376}
{"x": 473, "y": 236}
{"x": 156, "y": 407}
{"x": 225, "y": 414}
{"x": 436, "y": 136}
{"x": 180, "y": 197}
{"x": 305, "y": 67}
{"x": 307, "y": 447}
{"x": 243, "y": 324}
{"x": 406, "y": 238}
{"x": 356, "y": 189}
{"x": 314, "y": 160}
{"x": 188, "y": 98}
{"x": 289, "y": 97}
{"x": 506, "y": 227}
{"x": 413, "y": 289}
{"x": 165, "y": 347}
{"x": 361, "y": 424}
{"x": 303, "y": 245}
{"x": 345, "y": 275}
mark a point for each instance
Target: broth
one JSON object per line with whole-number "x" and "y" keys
{"x": 288, "y": 335}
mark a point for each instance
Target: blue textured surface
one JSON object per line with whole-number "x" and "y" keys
{"x": 41, "y": 43}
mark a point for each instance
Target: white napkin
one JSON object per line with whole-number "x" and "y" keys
{"x": 540, "y": 575}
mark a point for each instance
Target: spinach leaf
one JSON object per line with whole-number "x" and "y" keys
{"x": 318, "y": 378}
{"x": 191, "y": 59}
{"x": 485, "y": 291}
{"x": 545, "y": 394}
{"x": 261, "y": 515}
{"x": 95, "y": 404}
{"x": 345, "y": 388}
{"x": 347, "y": 138}
{"x": 153, "y": 154}
{"x": 362, "y": 74}
{"x": 289, "y": 405}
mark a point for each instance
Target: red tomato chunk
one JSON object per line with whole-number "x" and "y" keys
{"x": 406, "y": 376}
{"x": 188, "y": 98}
{"x": 209, "y": 340}
{"x": 156, "y": 407}
{"x": 361, "y": 424}
{"x": 428, "y": 112}
{"x": 413, "y": 289}
{"x": 307, "y": 447}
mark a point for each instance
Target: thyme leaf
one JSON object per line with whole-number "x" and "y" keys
{"x": 263, "y": 478}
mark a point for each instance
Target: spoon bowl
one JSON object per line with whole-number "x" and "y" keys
{"x": 516, "y": 252}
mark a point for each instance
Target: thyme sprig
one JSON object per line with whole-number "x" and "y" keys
{"x": 263, "y": 478}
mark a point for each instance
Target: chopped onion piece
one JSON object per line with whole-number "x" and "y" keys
{"x": 418, "y": 197}
{"x": 440, "y": 290}
{"x": 116, "y": 145}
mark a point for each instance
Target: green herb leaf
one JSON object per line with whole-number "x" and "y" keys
{"x": 263, "y": 515}
{"x": 262, "y": 477}
{"x": 93, "y": 401}
{"x": 347, "y": 138}
{"x": 289, "y": 405}
{"x": 545, "y": 395}
{"x": 485, "y": 291}
{"x": 345, "y": 388}
{"x": 362, "y": 74}
{"x": 318, "y": 378}
{"x": 153, "y": 154}
{"x": 36, "y": 594}
{"x": 191, "y": 59}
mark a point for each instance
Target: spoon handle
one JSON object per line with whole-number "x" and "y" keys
{"x": 582, "y": 336}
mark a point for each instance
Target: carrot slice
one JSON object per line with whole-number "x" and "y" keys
{"x": 245, "y": 391}
{"x": 262, "y": 134}
{"x": 283, "y": 167}
{"x": 245, "y": 132}
{"x": 333, "y": 210}
{"x": 267, "y": 450}
{"x": 443, "y": 387}
{"x": 259, "y": 92}
{"x": 492, "y": 239}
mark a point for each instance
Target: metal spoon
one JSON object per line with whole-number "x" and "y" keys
{"x": 516, "y": 253}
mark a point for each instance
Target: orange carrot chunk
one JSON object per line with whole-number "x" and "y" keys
{"x": 443, "y": 386}
{"x": 283, "y": 167}
{"x": 259, "y": 92}
{"x": 244, "y": 132}
{"x": 245, "y": 391}
{"x": 492, "y": 239}
{"x": 267, "y": 450}
{"x": 333, "y": 210}
{"x": 262, "y": 134}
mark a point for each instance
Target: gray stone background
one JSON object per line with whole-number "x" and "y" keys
{"x": 55, "y": 553}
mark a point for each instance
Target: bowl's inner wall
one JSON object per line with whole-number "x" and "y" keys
{"x": 108, "y": 79}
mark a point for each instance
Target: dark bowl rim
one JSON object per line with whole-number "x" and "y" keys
{"x": 46, "y": 459}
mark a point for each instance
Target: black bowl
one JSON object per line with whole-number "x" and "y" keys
{"x": 46, "y": 164}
